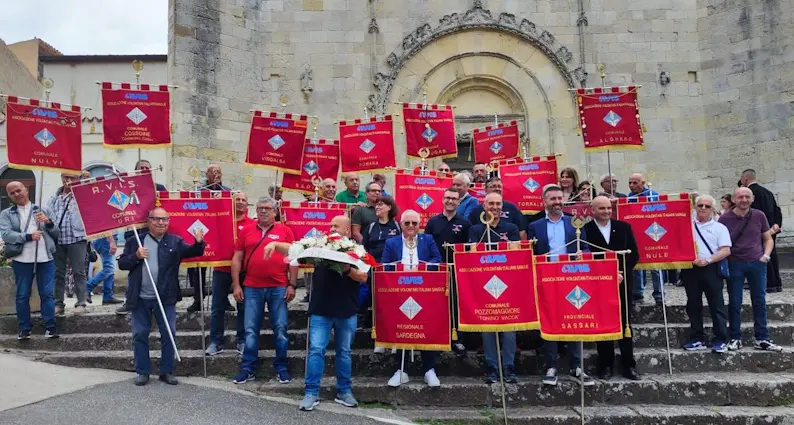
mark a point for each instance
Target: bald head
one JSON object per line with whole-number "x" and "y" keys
{"x": 602, "y": 209}
{"x": 328, "y": 189}
{"x": 341, "y": 225}
{"x": 636, "y": 183}
{"x": 18, "y": 193}
{"x": 214, "y": 174}
{"x": 600, "y": 200}
{"x": 743, "y": 198}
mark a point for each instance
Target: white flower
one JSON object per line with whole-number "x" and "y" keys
{"x": 359, "y": 250}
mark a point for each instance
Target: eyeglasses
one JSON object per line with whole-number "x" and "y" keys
{"x": 411, "y": 223}
{"x": 708, "y": 207}
{"x": 265, "y": 209}
{"x": 447, "y": 198}
{"x": 159, "y": 219}
{"x": 374, "y": 190}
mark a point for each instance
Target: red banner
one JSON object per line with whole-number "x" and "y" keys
{"x": 496, "y": 142}
{"x": 524, "y": 180}
{"x": 477, "y": 190}
{"x": 610, "y": 118}
{"x": 320, "y": 161}
{"x": 585, "y": 209}
{"x": 136, "y": 118}
{"x": 310, "y": 218}
{"x": 579, "y": 300}
{"x": 411, "y": 309}
{"x": 276, "y": 141}
{"x": 109, "y": 203}
{"x": 663, "y": 230}
{"x": 211, "y": 212}
{"x": 430, "y": 127}
{"x": 422, "y": 193}
{"x": 496, "y": 289}
{"x": 367, "y": 145}
{"x": 43, "y": 138}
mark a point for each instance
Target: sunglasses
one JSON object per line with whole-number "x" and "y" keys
{"x": 411, "y": 223}
{"x": 159, "y": 219}
{"x": 708, "y": 207}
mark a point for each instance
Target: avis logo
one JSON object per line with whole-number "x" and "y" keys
{"x": 424, "y": 114}
{"x": 576, "y": 268}
{"x": 608, "y": 98}
{"x": 654, "y": 207}
{"x": 410, "y": 280}
{"x": 490, "y": 259}
{"x": 44, "y": 113}
{"x": 195, "y": 206}
{"x": 314, "y": 215}
{"x": 495, "y": 132}
{"x": 314, "y": 149}
{"x": 136, "y": 96}
{"x": 368, "y": 127}
{"x": 424, "y": 180}
{"x": 529, "y": 167}
{"x": 279, "y": 124}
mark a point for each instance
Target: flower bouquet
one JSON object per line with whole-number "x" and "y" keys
{"x": 330, "y": 250}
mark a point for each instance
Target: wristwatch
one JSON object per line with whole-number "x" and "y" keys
{"x": 768, "y": 258}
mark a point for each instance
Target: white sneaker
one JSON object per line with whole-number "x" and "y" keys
{"x": 431, "y": 379}
{"x": 379, "y": 350}
{"x": 399, "y": 378}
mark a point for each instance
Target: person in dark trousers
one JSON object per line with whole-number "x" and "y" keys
{"x": 615, "y": 235}
{"x": 764, "y": 200}
{"x": 164, "y": 252}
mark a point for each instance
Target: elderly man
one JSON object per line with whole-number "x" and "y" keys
{"x": 639, "y": 189}
{"x": 411, "y": 249}
{"x": 363, "y": 216}
{"x": 764, "y": 200}
{"x": 328, "y": 190}
{"x": 480, "y": 172}
{"x": 444, "y": 168}
{"x": 352, "y": 194}
{"x": 752, "y": 244}
{"x": 30, "y": 234}
{"x": 461, "y": 183}
{"x": 609, "y": 183}
{"x": 258, "y": 280}
{"x": 163, "y": 252}
{"x": 144, "y": 164}
{"x": 71, "y": 245}
{"x": 380, "y": 179}
{"x": 510, "y": 211}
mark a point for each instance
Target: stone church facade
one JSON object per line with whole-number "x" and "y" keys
{"x": 716, "y": 75}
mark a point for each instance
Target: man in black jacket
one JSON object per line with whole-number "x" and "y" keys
{"x": 615, "y": 235}
{"x": 164, "y": 252}
{"x": 764, "y": 200}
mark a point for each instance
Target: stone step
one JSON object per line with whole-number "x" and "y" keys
{"x": 367, "y": 364}
{"x": 107, "y": 322}
{"x": 645, "y": 336}
{"x": 604, "y": 415}
{"x": 738, "y": 389}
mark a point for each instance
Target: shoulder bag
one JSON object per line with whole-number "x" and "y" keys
{"x": 15, "y": 249}
{"x": 248, "y": 260}
{"x": 724, "y": 272}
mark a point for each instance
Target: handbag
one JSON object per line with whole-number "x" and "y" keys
{"x": 248, "y": 260}
{"x": 92, "y": 255}
{"x": 15, "y": 249}
{"x": 723, "y": 272}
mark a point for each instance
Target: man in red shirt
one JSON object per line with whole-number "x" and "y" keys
{"x": 257, "y": 280}
{"x": 222, "y": 286}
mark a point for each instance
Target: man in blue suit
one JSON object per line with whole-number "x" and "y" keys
{"x": 553, "y": 234}
{"x": 409, "y": 250}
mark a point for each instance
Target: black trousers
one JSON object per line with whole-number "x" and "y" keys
{"x": 606, "y": 349}
{"x": 193, "y": 277}
{"x": 773, "y": 280}
{"x": 699, "y": 281}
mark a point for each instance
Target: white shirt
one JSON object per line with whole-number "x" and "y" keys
{"x": 715, "y": 234}
{"x": 29, "y": 248}
{"x": 606, "y": 231}
{"x": 410, "y": 255}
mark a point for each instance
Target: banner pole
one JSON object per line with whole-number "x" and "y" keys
{"x": 157, "y": 295}
{"x": 581, "y": 377}
{"x": 666, "y": 332}
{"x": 201, "y": 309}
{"x": 38, "y": 225}
{"x": 402, "y": 365}
{"x": 487, "y": 221}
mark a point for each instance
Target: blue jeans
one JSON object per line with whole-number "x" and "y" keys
{"x": 142, "y": 325}
{"x": 45, "y": 282}
{"x": 755, "y": 272}
{"x": 254, "y": 301}
{"x": 639, "y": 284}
{"x": 319, "y": 334}
{"x": 106, "y": 275}
{"x": 221, "y": 284}
{"x": 550, "y": 352}
{"x": 508, "y": 346}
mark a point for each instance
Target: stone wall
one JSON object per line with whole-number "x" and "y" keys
{"x": 14, "y": 76}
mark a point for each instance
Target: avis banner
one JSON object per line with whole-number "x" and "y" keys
{"x": 421, "y": 193}
{"x": 411, "y": 309}
{"x": 524, "y": 180}
{"x": 111, "y": 203}
{"x": 276, "y": 141}
{"x": 309, "y": 219}
{"x": 609, "y": 118}
{"x": 579, "y": 300}
{"x": 210, "y": 212}
{"x": 585, "y": 209}
{"x": 136, "y": 118}
{"x": 496, "y": 289}
{"x": 320, "y": 161}
{"x": 431, "y": 128}
{"x": 367, "y": 145}
{"x": 43, "y": 138}
{"x": 496, "y": 142}
{"x": 477, "y": 191}
{"x": 663, "y": 230}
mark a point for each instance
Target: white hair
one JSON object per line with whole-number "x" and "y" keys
{"x": 607, "y": 176}
{"x": 465, "y": 177}
{"x": 409, "y": 213}
{"x": 705, "y": 198}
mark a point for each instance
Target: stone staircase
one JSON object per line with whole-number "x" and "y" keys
{"x": 747, "y": 387}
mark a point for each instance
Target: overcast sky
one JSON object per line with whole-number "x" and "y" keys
{"x": 88, "y": 27}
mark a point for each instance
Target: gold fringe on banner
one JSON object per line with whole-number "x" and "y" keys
{"x": 627, "y": 332}
{"x": 499, "y": 328}
{"x": 615, "y": 147}
{"x": 583, "y": 338}
{"x": 664, "y": 266}
{"x": 454, "y": 334}
{"x": 283, "y": 170}
{"x": 139, "y": 146}
{"x": 40, "y": 168}
{"x": 624, "y": 307}
{"x": 100, "y": 235}
{"x": 421, "y": 347}
{"x": 186, "y": 265}
{"x": 373, "y": 334}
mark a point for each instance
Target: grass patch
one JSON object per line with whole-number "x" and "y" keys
{"x": 376, "y": 405}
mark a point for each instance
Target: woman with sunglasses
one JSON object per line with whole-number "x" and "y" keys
{"x": 410, "y": 250}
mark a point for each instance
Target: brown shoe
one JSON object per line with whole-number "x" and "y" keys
{"x": 80, "y": 309}
{"x": 59, "y": 310}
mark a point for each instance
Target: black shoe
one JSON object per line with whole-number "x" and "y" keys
{"x": 123, "y": 310}
{"x": 141, "y": 380}
{"x": 632, "y": 374}
{"x": 606, "y": 374}
{"x": 459, "y": 348}
{"x": 23, "y": 335}
{"x": 491, "y": 377}
{"x": 88, "y": 298}
{"x": 305, "y": 298}
{"x": 510, "y": 376}
{"x": 230, "y": 307}
{"x": 659, "y": 302}
{"x": 51, "y": 334}
{"x": 112, "y": 301}
{"x": 638, "y": 298}
{"x": 196, "y": 306}
{"x": 169, "y": 379}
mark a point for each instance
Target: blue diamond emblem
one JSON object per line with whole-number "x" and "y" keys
{"x": 311, "y": 167}
{"x": 429, "y": 134}
{"x": 495, "y": 286}
{"x": 45, "y": 137}
{"x": 424, "y": 201}
{"x": 119, "y": 200}
{"x": 531, "y": 185}
{"x": 496, "y": 147}
{"x": 612, "y": 118}
{"x": 314, "y": 233}
{"x": 655, "y": 231}
{"x": 276, "y": 142}
{"x": 578, "y": 297}
{"x": 367, "y": 146}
